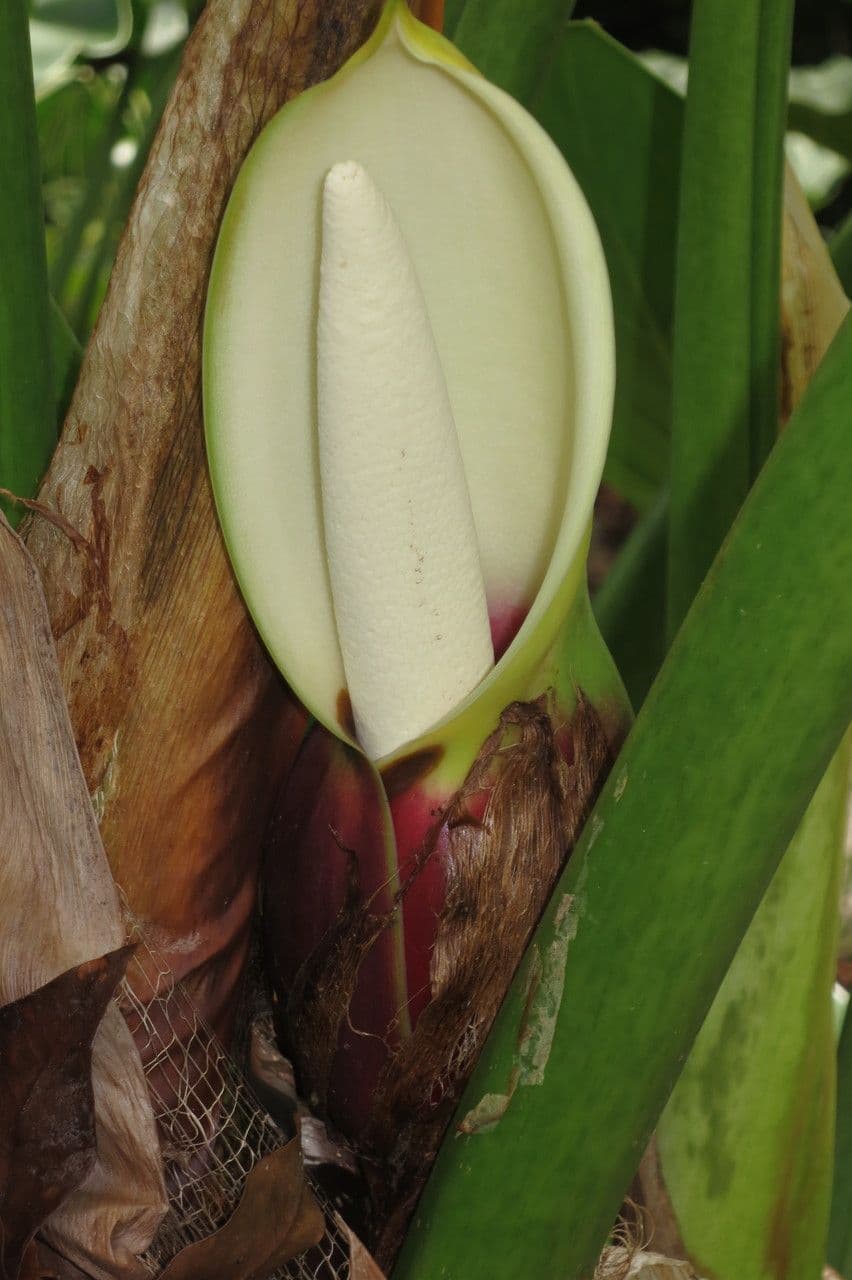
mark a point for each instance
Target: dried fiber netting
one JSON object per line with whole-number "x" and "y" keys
{"x": 620, "y": 1263}
{"x": 629, "y": 1255}
{"x": 212, "y": 1129}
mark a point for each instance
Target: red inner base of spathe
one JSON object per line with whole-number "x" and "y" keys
{"x": 331, "y": 813}
{"x": 505, "y": 621}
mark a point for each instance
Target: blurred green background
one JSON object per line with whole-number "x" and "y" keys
{"x": 103, "y": 69}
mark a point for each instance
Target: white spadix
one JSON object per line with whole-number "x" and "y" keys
{"x": 406, "y": 582}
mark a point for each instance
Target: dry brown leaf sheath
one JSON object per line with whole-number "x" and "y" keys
{"x": 362, "y": 1266}
{"x": 184, "y": 727}
{"x": 813, "y": 303}
{"x": 58, "y": 909}
{"x": 47, "y": 1109}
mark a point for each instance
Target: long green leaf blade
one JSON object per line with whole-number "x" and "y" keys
{"x": 725, "y": 756}
{"x": 619, "y": 128}
{"x": 841, "y": 253}
{"x": 771, "y": 66}
{"x": 744, "y": 1146}
{"x": 745, "y": 1143}
{"x": 67, "y": 356}
{"x": 630, "y": 606}
{"x": 27, "y": 413}
{"x": 725, "y": 380}
{"x": 510, "y": 41}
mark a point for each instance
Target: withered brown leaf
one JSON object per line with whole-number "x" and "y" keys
{"x": 58, "y": 908}
{"x": 47, "y": 1264}
{"x": 184, "y": 728}
{"x": 276, "y": 1219}
{"x": 47, "y": 1110}
{"x": 30, "y": 1267}
{"x": 362, "y": 1265}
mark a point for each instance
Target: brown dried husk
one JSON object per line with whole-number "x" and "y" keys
{"x": 813, "y": 304}
{"x": 60, "y": 909}
{"x": 361, "y": 1265}
{"x": 184, "y": 727}
{"x": 501, "y": 868}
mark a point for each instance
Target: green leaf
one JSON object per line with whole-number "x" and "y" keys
{"x": 71, "y": 121}
{"x": 630, "y": 606}
{"x": 745, "y": 1142}
{"x": 819, "y": 141}
{"x": 510, "y": 41}
{"x": 619, "y": 128}
{"x": 67, "y": 355}
{"x": 744, "y": 1146}
{"x": 841, "y": 253}
{"x": 725, "y": 373}
{"x": 727, "y": 752}
{"x": 27, "y": 412}
{"x": 453, "y": 10}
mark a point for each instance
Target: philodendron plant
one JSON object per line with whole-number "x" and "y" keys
{"x": 408, "y": 388}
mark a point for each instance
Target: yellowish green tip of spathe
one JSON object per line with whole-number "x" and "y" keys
{"x": 421, "y": 40}
{"x": 424, "y": 41}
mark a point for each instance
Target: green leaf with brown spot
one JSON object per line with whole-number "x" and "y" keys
{"x": 708, "y": 791}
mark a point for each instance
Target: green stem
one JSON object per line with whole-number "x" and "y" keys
{"x": 631, "y": 604}
{"x": 726, "y": 349}
{"x": 27, "y": 410}
{"x": 772, "y": 58}
{"x": 841, "y": 253}
{"x": 67, "y": 355}
{"x": 748, "y": 709}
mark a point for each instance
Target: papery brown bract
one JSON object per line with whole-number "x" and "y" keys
{"x": 184, "y": 728}
{"x": 59, "y": 909}
{"x": 47, "y": 1108}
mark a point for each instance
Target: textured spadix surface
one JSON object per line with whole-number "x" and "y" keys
{"x": 515, "y": 287}
{"x": 409, "y": 599}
